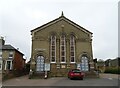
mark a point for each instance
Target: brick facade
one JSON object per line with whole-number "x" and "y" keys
{"x": 41, "y": 46}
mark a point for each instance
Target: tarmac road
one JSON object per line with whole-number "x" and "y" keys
{"x": 62, "y": 81}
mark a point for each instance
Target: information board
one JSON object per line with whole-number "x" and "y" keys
{"x": 47, "y": 67}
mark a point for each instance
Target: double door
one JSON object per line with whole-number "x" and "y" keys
{"x": 40, "y": 64}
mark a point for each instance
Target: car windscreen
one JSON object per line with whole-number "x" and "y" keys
{"x": 76, "y": 71}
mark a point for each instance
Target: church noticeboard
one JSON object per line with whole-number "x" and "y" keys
{"x": 47, "y": 67}
{"x": 63, "y": 66}
{"x": 78, "y": 66}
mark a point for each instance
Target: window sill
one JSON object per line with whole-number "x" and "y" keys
{"x": 52, "y": 62}
{"x": 62, "y": 62}
{"x": 72, "y": 62}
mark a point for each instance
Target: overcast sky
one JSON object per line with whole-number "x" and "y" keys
{"x": 19, "y": 17}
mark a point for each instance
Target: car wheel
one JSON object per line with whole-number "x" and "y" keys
{"x": 81, "y": 78}
{"x": 71, "y": 78}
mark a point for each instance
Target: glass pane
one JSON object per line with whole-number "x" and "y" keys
{"x": 62, "y": 48}
{"x": 86, "y": 60}
{"x": 53, "y": 42}
{"x": 53, "y": 53}
{"x": 53, "y": 37}
{"x": 62, "y": 53}
{"x": 72, "y": 53}
{"x": 72, "y": 48}
{"x": 53, "y": 59}
{"x": 83, "y": 61}
{"x": 8, "y": 64}
{"x": 72, "y": 59}
{"x": 63, "y": 59}
{"x": 11, "y": 52}
{"x": 53, "y": 47}
{"x": 62, "y": 43}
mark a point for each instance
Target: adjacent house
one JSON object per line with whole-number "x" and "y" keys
{"x": 108, "y": 64}
{"x": 11, "y": 59}
{"x": 61, "y": 45}
{"x": 112, "y": 62}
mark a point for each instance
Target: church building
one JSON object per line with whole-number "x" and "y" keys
{"x": 61, "y": 45}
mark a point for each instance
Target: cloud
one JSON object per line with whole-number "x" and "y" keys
{"x": 18, "y": 17}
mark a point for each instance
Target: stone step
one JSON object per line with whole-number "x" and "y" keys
{"x": 39, "y": 75}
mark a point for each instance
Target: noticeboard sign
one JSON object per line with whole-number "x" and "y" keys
{"x": 47, "y": 67}
{"x": 78, "y": 66}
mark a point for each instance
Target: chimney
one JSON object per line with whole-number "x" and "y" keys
{"x": 2, "y": 41}
{"x": 17, "y": 48}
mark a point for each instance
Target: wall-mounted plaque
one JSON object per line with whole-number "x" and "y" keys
{"x": 63, "y": 66}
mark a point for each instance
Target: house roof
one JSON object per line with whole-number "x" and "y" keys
{"x": 9, "y": 47}
{"x": 62, "y": 17}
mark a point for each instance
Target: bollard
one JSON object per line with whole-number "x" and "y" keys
{"x": 45, "y": 74}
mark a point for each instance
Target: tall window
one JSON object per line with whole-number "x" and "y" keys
{"x": 8, "y": 65}
{"x": 62, "y": 49}
{"x": 72, "y": 49}
{"x": 84, "y": 64}
{"x": 53, "y": 49}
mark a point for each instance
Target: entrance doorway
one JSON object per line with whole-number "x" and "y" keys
{"x": 40, "y": 63}
{"x": 84, "y": 63}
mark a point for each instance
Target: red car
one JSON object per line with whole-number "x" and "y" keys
{"x": 75, "y": 73}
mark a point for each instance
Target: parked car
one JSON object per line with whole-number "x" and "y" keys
{"x": 75, "y": 73}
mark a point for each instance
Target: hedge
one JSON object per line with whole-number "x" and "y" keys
{"x": 112, "y": 70}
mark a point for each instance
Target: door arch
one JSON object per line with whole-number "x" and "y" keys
{"x": 40, "y": 63}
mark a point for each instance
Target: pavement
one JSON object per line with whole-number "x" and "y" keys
{"x": 102, "y": 75}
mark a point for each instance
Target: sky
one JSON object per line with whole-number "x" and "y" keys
{"x": 19, "y": 17}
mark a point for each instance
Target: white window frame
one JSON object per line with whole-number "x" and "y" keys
{"x": 10, "y": 64}
{"x": 73, "y": 46}
{"x": 61, "y": 49}
{"x": 52, "y": 50}
{"x": 0, "y": 54}
{"x": 11, "y": 52}
{"x": 1, "y": 64}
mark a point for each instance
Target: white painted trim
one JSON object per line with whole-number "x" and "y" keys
{"x": 52, "y": 62}
{"x": 51, "y": 50}
{"x": 62, "y": 62}
{"x": 10, "y": 64}
{"x": 72, "y": 62}
{"x": 0, "y": 54}
{"x": 74, "y": 49}
{"x": 61, "y": 49}
{"x": 1, "y": 64}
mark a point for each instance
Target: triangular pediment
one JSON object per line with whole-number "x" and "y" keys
{"x": 62, "y": 17}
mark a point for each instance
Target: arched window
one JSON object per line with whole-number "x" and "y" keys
{"x": 84, "y": 63}
{"x": 53, "y": 49}
{"x": 72, "y": 49}
{"x": 62, "y": 49}
{"x": 40, "y": 64}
